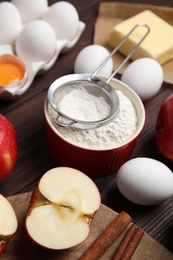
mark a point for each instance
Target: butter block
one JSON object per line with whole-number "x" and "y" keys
{"x": 157, "y": 45}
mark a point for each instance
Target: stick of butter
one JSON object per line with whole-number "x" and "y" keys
{"x": 157, "y": 45}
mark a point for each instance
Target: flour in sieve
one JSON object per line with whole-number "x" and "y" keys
{"x": 81, "y": 105}
{"x": 110, "y": 135}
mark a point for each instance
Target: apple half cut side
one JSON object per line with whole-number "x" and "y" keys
{"x": 62, "y": 208}
{"x": 164, "y": 128}
{"x": 8, "y": 223}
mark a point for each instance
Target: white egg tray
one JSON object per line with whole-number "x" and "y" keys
{"x": 35, "y": 67}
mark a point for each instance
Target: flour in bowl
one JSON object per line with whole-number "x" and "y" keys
{"x": 81, "y": 105}
{"x": 111, "y": 135}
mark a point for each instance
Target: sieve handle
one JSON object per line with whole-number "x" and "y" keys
{"x": 60, "y": 121}
{"x": 118, "y": 46}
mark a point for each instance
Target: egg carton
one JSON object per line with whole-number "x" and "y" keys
{"x": 35, "y": 67}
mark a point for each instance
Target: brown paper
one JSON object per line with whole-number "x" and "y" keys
{"x": 111, "y": 14}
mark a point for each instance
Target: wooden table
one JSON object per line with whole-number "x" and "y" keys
{"x": 26, "y": 115}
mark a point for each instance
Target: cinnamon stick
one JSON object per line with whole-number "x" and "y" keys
{"x": 107, "y": 237}
{"x": 129, "y": 243}
{"x": 130, "y": 249}
{"x": 123, "y": 245}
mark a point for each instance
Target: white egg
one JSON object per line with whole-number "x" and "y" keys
{"x": 90, "y": 58}
{"x": 144, "y": 76}
{"x": 64, "y": 19}
{"x": 36, "y": 42}
{"x": 145, "y": 181}
{"x": 10, "y": 23}
{"x": 31, "y": 9}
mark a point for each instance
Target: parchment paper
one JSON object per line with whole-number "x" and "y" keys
{"x": 111, "y": 14}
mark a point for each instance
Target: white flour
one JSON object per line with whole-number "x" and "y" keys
{"x": 111, "y": 135}
{"x": 81, "y": 105}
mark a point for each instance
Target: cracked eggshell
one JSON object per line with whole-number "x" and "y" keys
{"x": 145, "y": 181}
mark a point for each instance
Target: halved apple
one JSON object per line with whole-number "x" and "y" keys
{"x": 8, "y": 222}
{"x": 62, "y": 208}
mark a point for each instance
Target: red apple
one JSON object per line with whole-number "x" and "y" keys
{"x": 8, "y": 222}
{"x": 8, "y": 148}
{"x": 164, "y": 128}
{"x": 62, "y": 208}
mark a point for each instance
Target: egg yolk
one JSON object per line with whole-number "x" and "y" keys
{"x": 10, "y": 72}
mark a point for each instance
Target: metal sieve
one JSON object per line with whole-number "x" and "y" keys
{"x": 94, "y": 86}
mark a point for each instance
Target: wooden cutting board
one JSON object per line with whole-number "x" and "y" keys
{"x": 21, "y": 247}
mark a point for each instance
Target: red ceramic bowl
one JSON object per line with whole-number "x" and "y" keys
{"x": 94, "y": 162}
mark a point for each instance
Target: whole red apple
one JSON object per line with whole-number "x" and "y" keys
{"x": 8, "y": 148}
{"x": 164, "y": 128}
